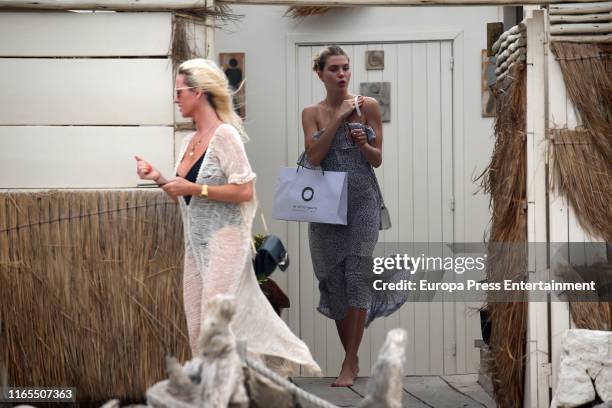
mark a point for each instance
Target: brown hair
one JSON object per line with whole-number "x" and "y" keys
{"x": 321, "y": 57}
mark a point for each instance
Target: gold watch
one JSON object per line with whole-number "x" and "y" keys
{"x": 204, "y": 192}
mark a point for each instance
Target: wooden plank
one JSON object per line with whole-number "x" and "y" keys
{"x": 408, "y": 400}
{"x": 435, "y": 392}
{"x": 294, "y": 274}
{"x": 377, "y": 328}
{"x": 61, "y": 34}
{"x": 607, "y": 38}
{"x": 558, "y": 215}
{"x": 392, "y": 178}
{"x": 358, "y": 76}
{"x": 462, "y": 184}
{"x": 446, "y": 125}
{"x": 392, "y": 2}
{"x": 584, "y": 8}
{"x": 468, "y": 384}
{"x": 577, "y": 28}
{"x": 321, "y": 387}
{"x": 209, "y": 31}
{"x": 79, "y": 156}
{"x": 536, "y": 385}
{"x": 152, "y": 5}
{"x": 405, "y": 170}
{"x": 577, "y": 238}
{"x": 421, "y": 209}
{"x": 434, "y": 199}
{"x": 86, "y": 92}
{"x": 317, "y": 93}
{"x": 133, "y": 5}
{"x": 556, "y": 19}
{"x": 307, "y": 304}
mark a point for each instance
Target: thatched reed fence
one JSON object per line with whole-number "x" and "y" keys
{"x": 582, "y": 157}
{"x": 90, "y": 290}
{"x": 505, "y": 181}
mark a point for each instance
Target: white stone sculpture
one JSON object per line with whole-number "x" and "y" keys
{"x": 586, "y": 360}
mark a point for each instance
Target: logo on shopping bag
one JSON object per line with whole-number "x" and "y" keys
{"x": 307, "y": 194}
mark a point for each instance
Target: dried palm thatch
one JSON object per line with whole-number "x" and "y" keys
{"x": 582, "y": 158}
{"x": 586, "y": 311}
{"x": 187, "y": 21}
{"x": 505, "y": 181}
{"x": 90, "y": 284}
{"x": 583, "y": 176}
{"x": 181, "y": 48}
{"x": 220, "y": 12}
{"x": 301, "y": 12}
{"x": 591, "y": 315}
{"x": 587, "y": 73}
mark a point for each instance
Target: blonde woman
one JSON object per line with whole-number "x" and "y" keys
{"x": 214, "y": 186}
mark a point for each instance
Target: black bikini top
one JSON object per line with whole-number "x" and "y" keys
{"x": 192, "y": 174}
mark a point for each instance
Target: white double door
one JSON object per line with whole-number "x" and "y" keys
{"x": 416, "y": 179}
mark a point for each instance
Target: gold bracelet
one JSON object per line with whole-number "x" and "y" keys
{"x": 204, "y": 192}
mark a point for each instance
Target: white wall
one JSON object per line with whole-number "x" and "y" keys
{"x": 261, "y": 35}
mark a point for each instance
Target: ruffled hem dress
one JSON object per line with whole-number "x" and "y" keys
{"x": 342, "y": 254}
{"x": 218, "y": 260}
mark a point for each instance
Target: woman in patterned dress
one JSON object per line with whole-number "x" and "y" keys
{"x": 214, "y": 186}
{"x": 344, "y": 133}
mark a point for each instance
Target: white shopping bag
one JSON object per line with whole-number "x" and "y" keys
{"x": 310, "y": 195}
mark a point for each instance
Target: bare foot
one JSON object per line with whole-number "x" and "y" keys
{"x": 348, "y": 373}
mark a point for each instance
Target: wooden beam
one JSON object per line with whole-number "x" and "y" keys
{"x": 582, "y": 38}
{"x": 600, "y": 28}
{"x": 155, "y": 5}
{"x": 578, "y": 18}
{"x": 210, "y": 33}
{"x": 119, "y": 5}
{"x": 350, "y": 3}
{"x": 584, "y": 8}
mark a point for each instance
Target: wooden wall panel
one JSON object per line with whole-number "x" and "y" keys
{"x": 86, "y": 91}
{"x": 69, "y": 34}
{"x": 80, "y": 156}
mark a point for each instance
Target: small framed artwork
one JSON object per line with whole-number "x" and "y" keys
{"x": 381, "y": 91}
{"x": 487, "y": 80}
{"x": 375, "y": 60}
{"x": 232, "y": 63}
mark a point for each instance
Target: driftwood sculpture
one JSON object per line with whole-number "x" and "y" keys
{"x": 385, "y": 385}
{"x": 216, "y": 378}
{"x": 220, "y": 376}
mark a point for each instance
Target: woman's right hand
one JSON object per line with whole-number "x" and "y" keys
{"x": 348, "y": 106}
{"x": 145, "y": 170}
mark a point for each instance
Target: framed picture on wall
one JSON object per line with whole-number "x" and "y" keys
{"x": 232, "y": 63}
{"x": 487, "y": 79}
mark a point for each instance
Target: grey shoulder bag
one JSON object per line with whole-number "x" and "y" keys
{"x": 385, "y": 218}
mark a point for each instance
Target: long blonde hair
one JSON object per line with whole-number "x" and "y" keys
{"x": 206, "y": 75}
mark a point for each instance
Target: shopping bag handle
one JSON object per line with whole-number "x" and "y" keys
{"x": 301, "y": 163}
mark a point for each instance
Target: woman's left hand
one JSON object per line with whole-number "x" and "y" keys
{"x": 179, "y": 187}
{"x": 359, "y": 137}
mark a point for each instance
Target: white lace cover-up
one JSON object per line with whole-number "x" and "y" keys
{"x": 218, "y": 260}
